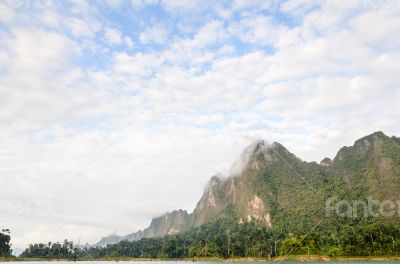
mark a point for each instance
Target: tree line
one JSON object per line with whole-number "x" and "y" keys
{"x": 65, "y": 250}
{"x": 5, "y": 245}
{"x": 228, "y": 239}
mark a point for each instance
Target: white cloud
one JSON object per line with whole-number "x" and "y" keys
{"x": 259, "y": 5}
{"x": 376, "y": 27}
{"x": 114, "y": 3}
{"x": 256, "y": 30}
{"x": 154, "y": 34}
{"x": 182, "y": 6}
{"x": 50, "y": 18}
{"x": 129, "y": 42}
{"x": 140, "y": 64}
{"x": 113, "y": 36}
{"x": 210, "y": 33}
{"x": 142, "y": 3}
{"x": 7, "y": 14}
{"x": 82, "y": 28}
{"x": 226, "y": 49}
{"x": 34, "y": 53}
{"x": 300, "y": 7}
{"x": 194, "y": 50}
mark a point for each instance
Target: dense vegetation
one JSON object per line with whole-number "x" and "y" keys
{"x": 228, "y": 239}
{"x": 5, "y": 246}
{"x": 66, "y": 250}
{"x": 221, "y": 239}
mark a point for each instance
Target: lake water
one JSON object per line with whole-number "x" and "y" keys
{"x": 203, "y": 262}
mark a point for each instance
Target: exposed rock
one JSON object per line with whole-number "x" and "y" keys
{"x": 256, "y": 211}
{"x": 326, "y": 162}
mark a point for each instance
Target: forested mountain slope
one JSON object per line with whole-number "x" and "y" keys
{"x": 269, "y": 185}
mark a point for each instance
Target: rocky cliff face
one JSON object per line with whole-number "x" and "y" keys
{"x": 273, "y": 187}
{"x": 168, "y": 224}
{"x": 237, "y": 191}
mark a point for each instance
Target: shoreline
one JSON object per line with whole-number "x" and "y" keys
{"x": 311, "y": 258}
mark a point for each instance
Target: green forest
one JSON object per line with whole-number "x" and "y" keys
{"x": 5, "y": 246}
{"x": 228, "y": 239}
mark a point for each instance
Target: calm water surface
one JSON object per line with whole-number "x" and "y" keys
{"x": 200, "y": 262}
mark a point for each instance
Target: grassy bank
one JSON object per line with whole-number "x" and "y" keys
{"x": 3, "y": 259}
{"x": 326, "y": 258}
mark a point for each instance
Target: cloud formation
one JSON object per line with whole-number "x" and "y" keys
{"x": 111, "y": 113}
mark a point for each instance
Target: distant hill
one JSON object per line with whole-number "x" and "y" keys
{"x": 168, "y": 224}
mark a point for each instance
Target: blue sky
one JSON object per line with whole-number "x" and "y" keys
{"x": 112, "y": 111}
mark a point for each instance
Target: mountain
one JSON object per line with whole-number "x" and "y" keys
{"x": 111, "y": 239}
{"x": 239, "y": 191}
{"x": 271, "y": 186}
{"x": 167, "y": 224}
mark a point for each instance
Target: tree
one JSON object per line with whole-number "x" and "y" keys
{"x": 5, "y": 246}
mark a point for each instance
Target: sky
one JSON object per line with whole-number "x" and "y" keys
{"x": 114, "y": 112}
